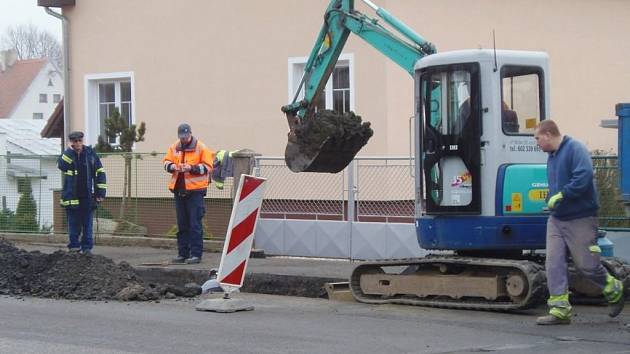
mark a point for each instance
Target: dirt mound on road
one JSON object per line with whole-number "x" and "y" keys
{"x": 73, "y": 276}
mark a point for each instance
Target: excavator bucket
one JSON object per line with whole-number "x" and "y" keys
{"x": 325, "y": 141}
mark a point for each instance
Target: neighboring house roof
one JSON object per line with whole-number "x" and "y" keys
{"x": 14, "y": 83}
{"x": 16, "y": 171}
{"x": 23, "y": 137}
{"x": 54, "y": 127}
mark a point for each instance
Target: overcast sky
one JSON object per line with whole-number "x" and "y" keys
{"x": 14, "y": 12}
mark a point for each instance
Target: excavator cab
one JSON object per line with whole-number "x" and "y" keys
{"x": 482, "y": 180}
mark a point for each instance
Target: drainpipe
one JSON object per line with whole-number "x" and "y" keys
{"x": 66, "y": 71}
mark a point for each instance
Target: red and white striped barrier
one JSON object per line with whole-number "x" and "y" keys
{"x": 240, "y": 236}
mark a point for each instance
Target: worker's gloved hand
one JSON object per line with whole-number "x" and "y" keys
{"x": 554, "y": 200}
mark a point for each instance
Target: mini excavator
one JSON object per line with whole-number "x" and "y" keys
{"x": 481, "y": 183}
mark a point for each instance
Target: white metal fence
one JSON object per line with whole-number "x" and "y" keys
{"x": 369, "y": 189}
{"x": 384, "y": 189}
{"x": 364, "y": 212}
{"x": 305, "y": 195}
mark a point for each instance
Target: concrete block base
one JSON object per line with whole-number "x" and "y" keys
{"x": 224, "y": 305}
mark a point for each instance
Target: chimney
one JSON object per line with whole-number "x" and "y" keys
{"x": 7, "y": 59}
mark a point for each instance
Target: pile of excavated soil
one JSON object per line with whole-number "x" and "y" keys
{"x": 77, "y": 276}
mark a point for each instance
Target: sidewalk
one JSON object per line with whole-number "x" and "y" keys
{"x": 271, "y": 275}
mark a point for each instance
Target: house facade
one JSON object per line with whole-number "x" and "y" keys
{"x": 29, "y": 89}
{"x": 227, "y": 67}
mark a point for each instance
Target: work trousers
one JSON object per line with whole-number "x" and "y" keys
{"x": 190, "y": 212}
{"x": 80, "y": 225}
{"x": 578, "y": 238}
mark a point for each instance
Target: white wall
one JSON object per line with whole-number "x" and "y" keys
{"x": 43, "y": 192}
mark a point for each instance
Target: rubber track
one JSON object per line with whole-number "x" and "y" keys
{"x": 534, "y": 273}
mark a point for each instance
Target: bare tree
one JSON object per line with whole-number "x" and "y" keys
{"x": 30, "y": 42}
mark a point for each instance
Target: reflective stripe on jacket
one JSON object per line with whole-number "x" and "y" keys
{"x": 96, "y": 180}
{"x": 198, "y": 156}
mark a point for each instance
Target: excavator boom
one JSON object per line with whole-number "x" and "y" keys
{"x": 326, "y": 141}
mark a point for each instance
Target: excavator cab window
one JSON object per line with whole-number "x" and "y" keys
{"x": 450, "y": 138}
{"x": 522, "y": 94}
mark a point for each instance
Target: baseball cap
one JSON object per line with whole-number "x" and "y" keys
{"x": 183, "y": 130}
{"x": 75, "y": 135}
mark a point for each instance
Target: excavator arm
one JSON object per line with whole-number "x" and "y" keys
{"x": 327, "y": 141}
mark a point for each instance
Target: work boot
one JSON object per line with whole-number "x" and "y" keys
{"x": 86, "y": 252}
{"x": 193, "y": 260}
{"x": 615, "y": 308}
{"x": 551, "y": 320}
{"x": 74, "y": 249}
{"x": 179, "y": 260}
{"x": 616, "y": 299}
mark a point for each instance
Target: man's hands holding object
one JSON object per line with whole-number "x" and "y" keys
{"x": 184, "y": 167}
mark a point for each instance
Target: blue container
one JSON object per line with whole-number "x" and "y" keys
{"x": 607, "y": 247}
{"x": 623, "y": 112}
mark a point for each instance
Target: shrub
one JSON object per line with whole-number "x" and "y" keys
{"x": 7, "y": 220}
{"x": 26, "y": 212}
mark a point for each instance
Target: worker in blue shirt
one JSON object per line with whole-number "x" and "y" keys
{"x": 84, "y": 186}
{"x": 572, "y": 225}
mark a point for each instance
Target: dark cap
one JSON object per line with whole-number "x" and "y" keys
{"x": 75, "y": 135}
{"x": 183, "y": 130}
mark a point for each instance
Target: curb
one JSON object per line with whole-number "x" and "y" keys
{"x": 110, "y": 240}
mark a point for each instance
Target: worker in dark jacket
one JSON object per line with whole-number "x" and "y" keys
{"x": 572, "y": 225}
{"x": 84, "y": 185}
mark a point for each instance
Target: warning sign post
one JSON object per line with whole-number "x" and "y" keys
{"x": 238, "y": 245}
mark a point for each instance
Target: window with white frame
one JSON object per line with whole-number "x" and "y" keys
{"x": 111, "y": 96}
{"x": 338, "y": 93}
{"x": 43, "y": 98}
{"x": 341, "y": 89}
{"x": 56, "y": 98}
{"x": 105, "y": 93}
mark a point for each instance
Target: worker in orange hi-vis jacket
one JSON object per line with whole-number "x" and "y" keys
{"x": 189, "y": 161}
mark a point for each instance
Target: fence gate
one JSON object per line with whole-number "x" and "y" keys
{"x": 363, "y": 212}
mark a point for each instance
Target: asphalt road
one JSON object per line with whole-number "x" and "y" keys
{"x": 294, "y": 325}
